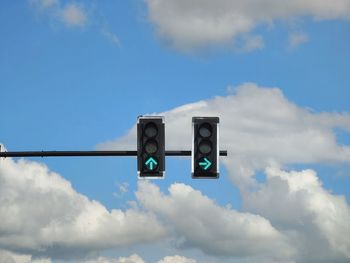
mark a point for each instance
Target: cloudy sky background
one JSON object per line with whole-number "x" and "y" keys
{"x": 74, "y": 75}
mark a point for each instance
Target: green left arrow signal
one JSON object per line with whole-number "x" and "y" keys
{"x": 151, "y": 163}
{"x": 205, "y": 164}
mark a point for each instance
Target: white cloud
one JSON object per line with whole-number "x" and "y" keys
{"x": 296, "y": 39}
{"x": 290, "y": 217}
{"x": 10, "y": 257}
{"x": 74, "y": 15}
{"x": 132, "y": 259}
{"x": 177, "y": 259}
{"x": 41, "y": 214}
{"x": 258, "y": 127}
{"x": 191, "y": 24}
{"x": 137, "y": 259}
{"x": 316, "y": 221}
{"x": 248, "y": 43}
{"x": 200, "y": 223}
{"x": 71, "y": 14}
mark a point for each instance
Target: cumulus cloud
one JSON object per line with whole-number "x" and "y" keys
{"x": 258, "y": 127}
{"x": 288, "y": 218}
{"x": 132, "y": 259}
{"x": 71, "y": 14}
{"x": 177, "y": 259}
{"x": 191, "y": 24}
{"x": 247, "y": 43}
{"x": 10, "y": 257}
{"x": 41, "y": 214}
{"x": 200, "y": 223}
{"x": 316, "y": 221}
{"x": 137, "y": 259}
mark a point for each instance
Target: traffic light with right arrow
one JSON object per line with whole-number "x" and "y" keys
{"x": 205, "y": 147}
{"x": 150, "y": 147}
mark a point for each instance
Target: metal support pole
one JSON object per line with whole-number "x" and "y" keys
{"x": 88, "y": 153}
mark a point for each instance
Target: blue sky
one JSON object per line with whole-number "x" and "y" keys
{"x": 74, "y": 75}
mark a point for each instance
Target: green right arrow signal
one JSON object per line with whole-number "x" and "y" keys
{"x": 205, "y": 164}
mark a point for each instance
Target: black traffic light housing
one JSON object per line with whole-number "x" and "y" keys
{"x": 205, "y": 147}
{"x": 150, "y": 146}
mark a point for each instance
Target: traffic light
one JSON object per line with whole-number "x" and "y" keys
{"x": 205, "y": 147}
{"x": 150, "y": 147}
